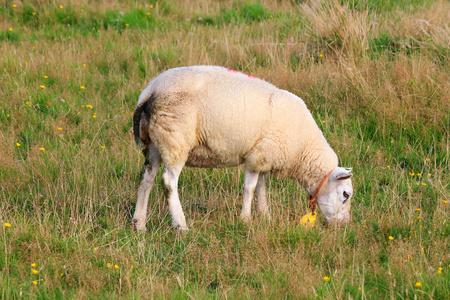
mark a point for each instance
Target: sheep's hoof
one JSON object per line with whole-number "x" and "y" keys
{"x": 265, "y": 216}
{"x": 181, "y": 228}
{"x": 139, "y": 226}
{"x": 246, "y": 219}
{"x": 263, "y": 211}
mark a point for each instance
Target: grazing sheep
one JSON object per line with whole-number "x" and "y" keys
{"x": 208, "y": 117}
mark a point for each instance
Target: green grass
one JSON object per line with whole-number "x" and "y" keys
{"x": 374, "y": 75}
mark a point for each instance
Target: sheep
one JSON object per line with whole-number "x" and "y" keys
{"x": 213, "y": 117}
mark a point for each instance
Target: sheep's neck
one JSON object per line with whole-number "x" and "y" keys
{"x": 313, "y": 163}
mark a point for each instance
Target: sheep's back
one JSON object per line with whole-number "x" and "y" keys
{"x": 224, "y": 113}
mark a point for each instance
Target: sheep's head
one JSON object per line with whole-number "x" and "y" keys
{"x": 334, "y": 197}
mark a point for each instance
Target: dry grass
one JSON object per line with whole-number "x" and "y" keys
{"x": 375, "y": 72}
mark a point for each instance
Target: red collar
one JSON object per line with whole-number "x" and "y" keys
{"x": 313, "y": 199}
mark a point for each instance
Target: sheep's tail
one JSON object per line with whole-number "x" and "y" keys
{"x": 141, "y": 118}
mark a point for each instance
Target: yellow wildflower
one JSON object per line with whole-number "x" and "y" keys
{"x": 10, "y": 29}
{"x": 411, "y": 174}
{"x": 127, "y": 25}
{"x": 116, "y": 267}
{"x": 103, "y": 147}
{"x": 45, "y": 76}
{"x": 321, "y": 55}
{"x": 108, "y": 265}
{"x": 61, "y": 6}
{"x": 7, "y": 225}
{"x": 424, "y": 184}
{"x": 59, "y": 128}
{"x": 417, "y": 209}
{"x": 419, "y": 217}
{"x": 418, "y": 284}
{"x": 326, "y": 278}
{"x": 33, "y": 265}
{"x": 391, "y": 238}
{"x": 42, "y": 86}
{"x": 82, "y": 87}
{"x": 439, "y": 271}
{"x": 14, "y": 5}
{"x": 388, "y": 167}
{"x": 17, "y": 144}
{"x": 418, "y": 174}
{"x": 34, "y": 282}
{"x": 35, "y": 271}
{"x": 445, "y": 201}
{"x": 89, "y": 106}
{"x": 42, "y": 149}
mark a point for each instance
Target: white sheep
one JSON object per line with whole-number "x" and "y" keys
{"x": 208, "y": 117}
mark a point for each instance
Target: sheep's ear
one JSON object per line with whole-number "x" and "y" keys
{"x": 342, "y": 173}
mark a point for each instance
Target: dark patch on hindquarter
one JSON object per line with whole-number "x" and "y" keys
{"x": 141, "y": 118}
{"x": 146, "y": 167}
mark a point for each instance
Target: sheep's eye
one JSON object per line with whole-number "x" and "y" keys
{"x": 346, "y": 197}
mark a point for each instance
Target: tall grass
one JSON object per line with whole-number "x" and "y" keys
{"x": 374, "y": 75}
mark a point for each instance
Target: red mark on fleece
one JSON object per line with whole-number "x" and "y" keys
{"x": 234, "y": 71}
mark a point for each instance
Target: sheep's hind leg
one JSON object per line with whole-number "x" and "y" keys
{"x": 170, "y": 178}
{"x": 250, "y": 181}
{"x": 263, "y": 208}
{"x": 148, "y": 174}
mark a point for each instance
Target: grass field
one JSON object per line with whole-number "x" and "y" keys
{"x": 375, "y": 75}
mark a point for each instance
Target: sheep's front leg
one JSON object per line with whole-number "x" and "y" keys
{"x": 263, "y": 208}
{"x": 148, "y": 174}
{"x": 250, "y": 181}
{"x": 170, "y": 178}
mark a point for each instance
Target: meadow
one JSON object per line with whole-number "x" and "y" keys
{"x": 374, "y": 74}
